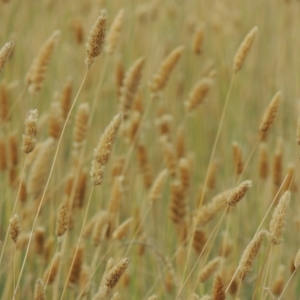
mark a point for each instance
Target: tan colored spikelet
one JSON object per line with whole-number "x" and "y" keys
{"x": 277, "y": 165}
{"x": 85, "y": 280}
{"x": 218, "y": 290}
{"x": 108, "y": 268}
{"x": 3, "y": 153}
{"x": 122, "y": 230}
{"x": 185, "y": 175}
{"x": 31, "y": 128}
{"x": 169, "y": 156}
{"x": 208, "y": 211}
{"x": 103, "y": 150}
{"x": 96, "y": 38}
{"x": 62, "y": 220}
{"x": 178, "y": 202}
{"x": 76, "y": 267}
{"x": 101, "y": 227}
{"x": 210, "y": 268}
{"x": 180, "y": 143}
{"x": 119, "y": 76}
{"x": 164, "y": 123}
{"x": 130, "y": 86}
{"x": 277, "y": 222}
{"x": 227, "y": 245}
{"x": 270, "y": 114}
{"x": 14, "y": 228}
{"x": 80, "y": 189}
{"x": 153, "y": 297}
{"x": 116, "y": 198}
{"x": 278, "y": 284}
{"x": 13, "y": 177}
{"x": 159, "y": 80}
{"x": 263, "y": 161}
{"x": 243, "y": 50}
{"x": 23, "y": 192}
{"x": 114, "y": 32}
{"x": 198, "y": 94}
{"x": 133, "y": 126}
{"x": 5, "y": 53}
{"x": 212, "y": 174}
{"x": 40, "y": 169}
{"x": 110, "y": 279}
{"x": 199, "y": 240}
{"x": 55, "y": 120}
{"x": 37, "y": 71}
{"x": 114, "y": 275}
{"x": 66, "y": 98}
{"x": 78, "y": 31}
{"x": 88, "y": 228}
{"x": 289, "y": 182}
{"x": 118, "y": 166}
{"x": 81, "y": 124}
{"x": 48, "y": 251}
{"x": 250, "y": 253}
{"x": 39, "y": 290}
{"x": 198, "y": 40}
{"x": 4, "y": 104}
{"x": 297, "y": 260}
{"x": 52, "y": 270}
{"x": 144, "y": 165}
{"x": 13, "y": 149}
{"x": 23, "y": 240}
{"x": 239, "y": 192}
{"x": 238, "y": 159}
{"x": 155, "y": 192}
{"x": 39, "y": 240}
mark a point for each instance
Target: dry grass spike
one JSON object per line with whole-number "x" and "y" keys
{"x": 39, "y": 290}
{"x": 37, "y": 71}
{"x": 96, "y": 38}
{"x": 14, "y": 228}
{"x": 250, "y": 253}
{"x": 163, "y": 73}
{"x": 113, "y": 35}
{"x": 5, "y": 53}
{"x": 278, "y": 218}
{"x": 243, "y": 50}
{"x": 270, "y": 114}
{"x": 238, "y": 193}
{"x": 103, "y": 150}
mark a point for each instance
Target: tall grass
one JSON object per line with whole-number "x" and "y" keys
{"x": 179, "y": 94}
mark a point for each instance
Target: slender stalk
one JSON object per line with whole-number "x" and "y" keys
{"x": 288, "y": 282}
{"x": 47, "y": 183}
{"x": 14, "y": 209}
{"x": 209, "y": 166}
{"x": 78, "y": 243}
{"x": 200, "y": 255}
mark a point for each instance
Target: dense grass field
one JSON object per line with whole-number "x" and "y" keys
{"x": 149, "y": 149}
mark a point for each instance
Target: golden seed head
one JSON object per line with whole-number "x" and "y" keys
{"x": 250, "y": 253}
{"x": 5, "y": 53}
{"x": 297, "y": 260}
{"x": 96, "y": 38}
{"x": 113, "y": 35}
{"x": 14, "y": 225}
{"x": 39, "y": 290}
{"x": 243, "y": 50}
{"x": 62, "y": 220}
{"x": 270, "y": 114}
{"x": 278, "y": 218}
{"x": 103, "y": 150}
{"x": 238, "y": 193}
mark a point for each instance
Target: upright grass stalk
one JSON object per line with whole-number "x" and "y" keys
{"x": 47, "y": 183}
